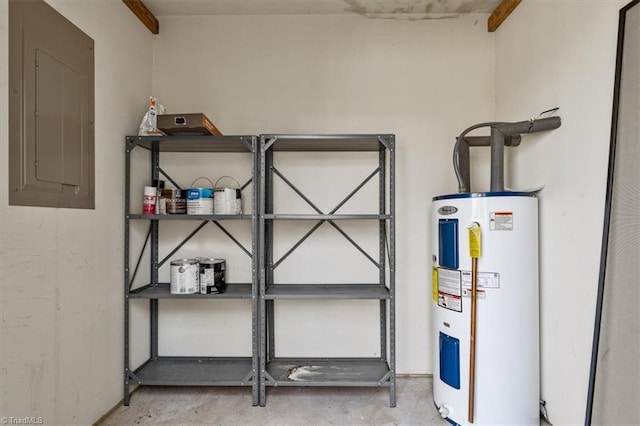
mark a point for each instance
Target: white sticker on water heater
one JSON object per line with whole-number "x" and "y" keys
{"x": 449, "y": 289}
{"x": 447, "y": 301}
{"x": 501, "y": 221}
{"x": 480, "y": 294}
{"x": 485, "y": 279}
{"x": 449, "y": 282}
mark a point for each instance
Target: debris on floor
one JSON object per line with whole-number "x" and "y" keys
{"x": 304, "y": 373}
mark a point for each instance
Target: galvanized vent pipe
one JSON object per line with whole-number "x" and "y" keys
{"x": 502, "y": 134}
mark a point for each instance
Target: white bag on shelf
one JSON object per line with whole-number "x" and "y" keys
{"x": 149, "y": 123}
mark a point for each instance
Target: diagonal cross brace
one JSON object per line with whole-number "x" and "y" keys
{"x": 331, "y": 222}
{"x": 194, "y": 232}
{"x": 180, "y": 186}
{"x": 228, "y": 234}
{"x": 247, "y": 183}
{"x": 144, "y": 247}
{"x": 170, "y": 179}
{"x": 183, "y": 242}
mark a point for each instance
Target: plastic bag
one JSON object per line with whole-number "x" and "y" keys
{"x": 149, "y": 124}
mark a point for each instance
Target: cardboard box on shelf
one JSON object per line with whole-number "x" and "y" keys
{"x": 187, "y": 124}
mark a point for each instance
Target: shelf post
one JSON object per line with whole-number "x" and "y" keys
{"x": 260, "y": 207}
{"x": 382, "y": 198}
{"x": 392, "y": 270}
{"x": 153, "y": 303}
{"x": 127, "y": 265}
{"x": 255, "y": 261}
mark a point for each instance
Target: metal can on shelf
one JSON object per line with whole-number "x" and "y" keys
{"x": 149, "y": 200}
{"x": 212, "y": 275}
{"x": 200, "y": 201}
{"x": 175, "y": 201}
{"x": 184, "y": 276}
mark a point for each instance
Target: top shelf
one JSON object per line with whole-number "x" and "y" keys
{"x": 244, "y": 143}
{"x": 329, "y": 142}
{"x": 192, "y": 143}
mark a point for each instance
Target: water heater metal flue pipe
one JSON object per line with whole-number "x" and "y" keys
{"x": 502, "y": 134}
{"x": 498, "y": 135}
{"x": 497, "y": 160}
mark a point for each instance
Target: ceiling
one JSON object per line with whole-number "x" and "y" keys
{"x": 319, "y": 7}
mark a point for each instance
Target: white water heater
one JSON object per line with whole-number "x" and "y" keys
{"x": 506, "y": 361}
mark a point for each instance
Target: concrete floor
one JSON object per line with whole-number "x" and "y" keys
{"x": 285, "y": 406}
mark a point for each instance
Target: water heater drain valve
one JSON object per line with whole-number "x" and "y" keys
{"x": 444, "y": 411}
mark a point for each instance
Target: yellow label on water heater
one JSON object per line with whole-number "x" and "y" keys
{"x": 475, "y": 236}
{"x": 434, "y": 280}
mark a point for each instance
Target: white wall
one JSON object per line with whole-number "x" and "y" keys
{"x": 61, "y": 277}
{"x": 423, "y": 80}
{"x": 548, "y": 54}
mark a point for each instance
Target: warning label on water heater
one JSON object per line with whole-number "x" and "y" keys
{"x": 448, "y": 301}
{"x": 480, "y": 294}
{"x": 501, "y": 221}
{"x": 450, "y": 289}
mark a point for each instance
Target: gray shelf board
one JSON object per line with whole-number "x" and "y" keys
{"x": 191, "y": 216}
{"x": 278, "y": 216}
{"x": 194, "y": 371}
{"x": 327, "y": 291}
{"x": 327, "y": 142}
{"x": 189, "y": 143}
{"x": 163, "y": 291}
{"x": 328, "y": 372}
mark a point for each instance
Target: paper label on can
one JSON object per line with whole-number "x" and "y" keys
{"x": 184, "y": 278}
{"x": 226, "y": 201}
{"x": 197, "y": 193}
{"x": 206, "y": 279}
{"x": 483, "y": 279}
{"x": 200, "y": 206}
{"x": 149, "y": 204}
{"x": 501, "y": 221}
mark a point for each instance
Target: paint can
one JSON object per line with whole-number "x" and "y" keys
{"x": 149, "y": 200}
{"x": 227, "y": 200}
{"x": 200, "y": 200}
{"x": 184, "y": 276}
{"x": 212, "y": 275}
{"x": 175, "y": 200}
{"x": 160, "y": 203}
{"x": 171, "y": 193}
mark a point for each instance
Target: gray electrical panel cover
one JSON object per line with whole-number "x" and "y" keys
{"x": 51, "y": 109}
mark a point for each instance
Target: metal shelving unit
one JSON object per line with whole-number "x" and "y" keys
{"x": 361, "y": 372}
{"x": 188, "y": 371}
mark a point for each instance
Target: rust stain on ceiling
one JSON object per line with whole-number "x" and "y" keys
{"x": 426, "y": 7}
{"x": 354, "y": 6}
